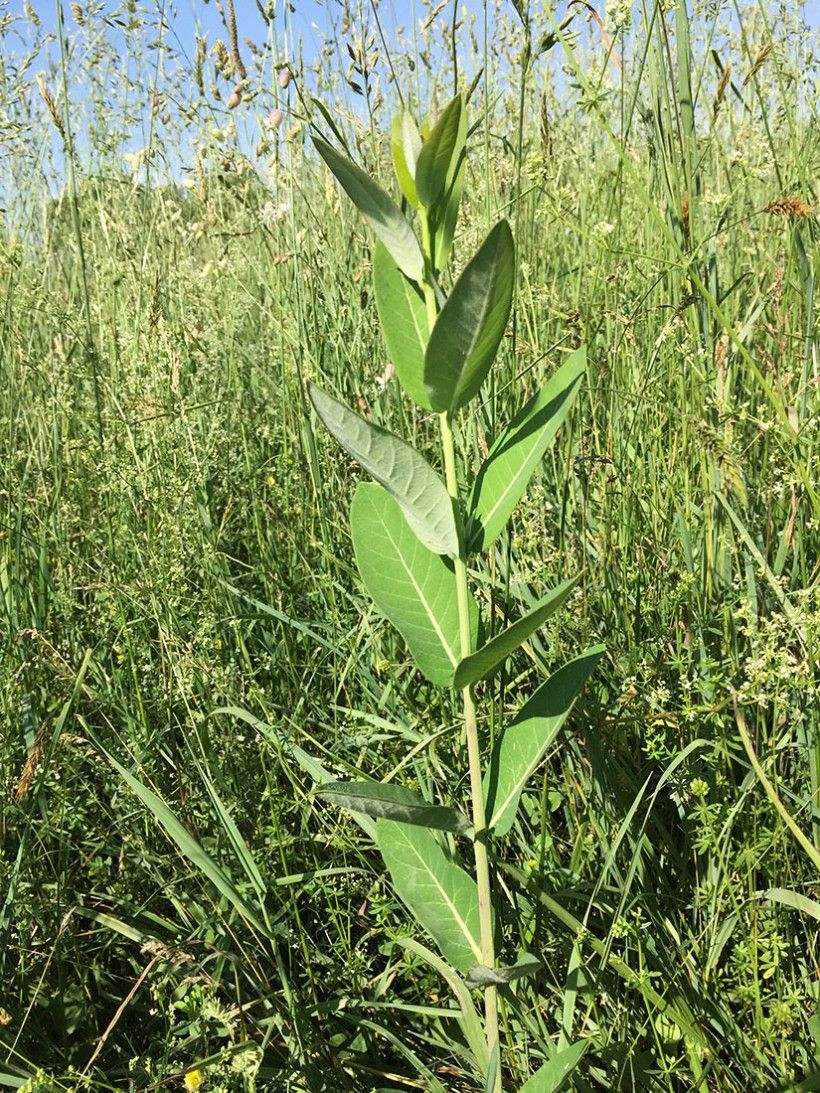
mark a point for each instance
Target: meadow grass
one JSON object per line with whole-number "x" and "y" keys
{"x": 188, "y": 651}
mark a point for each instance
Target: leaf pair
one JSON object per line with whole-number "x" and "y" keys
{"x": 444, "y": 368}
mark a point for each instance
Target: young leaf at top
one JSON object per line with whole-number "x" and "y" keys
{"x": 378, "y": 209}
{"x": 413, "y": 588}
{"x": 552, "y": 1075}
{"x": 446, "y": 215}
{"x": 436, "y": 164}
{"x": 518, "y": 451}
{"x": 524, "y": 742}
{"x": 391, "y": 802}
{"x": 483, "y": 663}
{"x": 403, "y": 315}
{"x": 405, "y": 144}
{"x": 470, "y": 326}
{"x": 442, "y": 897}
{"x": 403, "y": 472}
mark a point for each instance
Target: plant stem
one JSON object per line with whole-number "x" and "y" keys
{"x": 482, "y": 865}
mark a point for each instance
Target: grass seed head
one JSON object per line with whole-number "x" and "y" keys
{"x": 789, "y": 206}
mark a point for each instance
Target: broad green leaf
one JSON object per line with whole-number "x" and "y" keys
{"x": 470, "y": 326}
{"x": 436, "y": 160}
{"x": 403, "y": 472}
{"x": 524, "y": 742}
{"x": 442, "y": 897}
{"x": 481, "y": 976}
{"x": 405, "y": 144}
{"x": 490, "y": 656}
{"x": 391, "y": 802}
{"x": 403, "y": 315}
{"x": 517, "y": 452}
{"x": 552, "y": 1075}
{"x": 412, "y": 587}
{"x": 378, "y": 209}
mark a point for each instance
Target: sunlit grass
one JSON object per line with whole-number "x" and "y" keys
{"x": 177, "y": 585}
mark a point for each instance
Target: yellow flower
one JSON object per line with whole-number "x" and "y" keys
{"x": 193, "y": 1080}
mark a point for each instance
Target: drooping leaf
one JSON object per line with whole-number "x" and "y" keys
{"x": 464, "y": 341}
{"x": 385, "y": 800}
{"x": 403, "y": 472}
{"x": 481, "y": 976}
{"x": 490, "y": 656}
{"x": 524, "y": 742}
{"x": 552, "y": 1075}
{"x": 403, "y": 315}
{"x": 405, "y": 144}
{"x": 412, "y": 587}
{"x": 517, "y": 452}
{"x": 378, "y": 209}
{"x": 436, "y": 160}
{"x": 442, "y": 897}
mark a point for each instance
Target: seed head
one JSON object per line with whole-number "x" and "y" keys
{"x": 789, "y": 206}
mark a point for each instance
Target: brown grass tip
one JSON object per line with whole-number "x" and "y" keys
{"x": 789, "y": 206}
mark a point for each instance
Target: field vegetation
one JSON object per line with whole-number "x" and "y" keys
{"x": 187, "y": 648}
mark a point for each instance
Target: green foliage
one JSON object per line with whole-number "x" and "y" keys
{"x": 412, "y": 587}
{"x": 379, "y": 210}
{"x": 177, "y": 580}
{"x": 553, "y": 1075}
{"x": 468, "y": 331}
{"x": 483, "y": 663}
{"x": 518, "y": 452}
{"x": 403, "y": 315}
{"x": 524, "y": 742}
{"x": 441, "y": 895}
{"x": 386, "y": 801}
{"x": 406, "y": 476}
{"x": 398, "y": 549}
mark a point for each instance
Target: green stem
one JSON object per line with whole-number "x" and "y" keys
{"x": 482, "y": 863}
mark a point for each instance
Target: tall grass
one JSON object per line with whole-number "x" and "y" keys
{"x": 178, "y": 593}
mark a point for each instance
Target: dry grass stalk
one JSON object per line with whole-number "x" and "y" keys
{"x": 51, "y": 106}
{"x": 758, "y": 63}
{"x": 723, "y": 83}
{"x": 234, "y": 40}
{"x": 30, "y": 768}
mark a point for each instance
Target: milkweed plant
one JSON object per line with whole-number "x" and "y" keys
{"x": 413, "y": 537}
